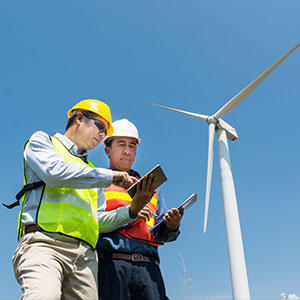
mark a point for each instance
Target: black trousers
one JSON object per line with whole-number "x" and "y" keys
{"x": 127, "y": 280}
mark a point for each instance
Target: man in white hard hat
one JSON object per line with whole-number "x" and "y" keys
{"x": 58, "y": 223}
{"x": 128, "y": 257}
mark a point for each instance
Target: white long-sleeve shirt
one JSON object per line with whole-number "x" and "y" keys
{"x": 44, "y": 163}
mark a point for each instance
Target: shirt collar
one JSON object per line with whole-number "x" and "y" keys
{"x": 70, "y": 145}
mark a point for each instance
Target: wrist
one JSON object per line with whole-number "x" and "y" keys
{"x": 115, "y": 176}
{"x": 132, "y": 213}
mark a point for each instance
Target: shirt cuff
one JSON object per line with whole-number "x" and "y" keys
{"x": 165, "y": 235}
{"x": 124, "y": 213}
{"x": 172, "y": 236}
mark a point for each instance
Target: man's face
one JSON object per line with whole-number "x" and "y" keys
{"x": 90, "y": 135}
{"x": 121, "y": 153}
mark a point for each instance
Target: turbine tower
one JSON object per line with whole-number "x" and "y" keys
{"x": 240, "y": 288}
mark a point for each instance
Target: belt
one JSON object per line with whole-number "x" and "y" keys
{"x": 31, "y": 228}
{"x": 135, "y": 257}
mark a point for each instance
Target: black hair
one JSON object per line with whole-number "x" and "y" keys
{"x": 108, "y": 143}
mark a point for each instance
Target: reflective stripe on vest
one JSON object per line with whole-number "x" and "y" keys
{"x": 117, "y": 197}
{"x": 72, "y": 212}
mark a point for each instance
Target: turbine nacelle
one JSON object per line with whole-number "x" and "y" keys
{"x": 230, "y": 131}
{"x": 221, "y": 124}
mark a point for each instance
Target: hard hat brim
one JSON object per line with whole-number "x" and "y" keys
{"x": 110, "y": 138}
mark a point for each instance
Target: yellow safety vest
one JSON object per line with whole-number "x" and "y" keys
{"x": 72, "y": 212}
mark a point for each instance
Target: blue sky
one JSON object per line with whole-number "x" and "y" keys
{"x": 192, "y": 55}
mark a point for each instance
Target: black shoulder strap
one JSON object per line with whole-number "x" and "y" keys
{"x": 26, "y": 188}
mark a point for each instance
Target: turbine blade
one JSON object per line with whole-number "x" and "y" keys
{"x": 211, "y": 134}
{"x": 240, "y": 97}
{"x": 197, "y": 116}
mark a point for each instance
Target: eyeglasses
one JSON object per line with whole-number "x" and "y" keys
{"x": 98, "y": 123}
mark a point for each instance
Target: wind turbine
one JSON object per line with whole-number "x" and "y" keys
{"x": 224, "y": 131}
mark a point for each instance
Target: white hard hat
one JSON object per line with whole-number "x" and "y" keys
{"x": 123, "y": 128}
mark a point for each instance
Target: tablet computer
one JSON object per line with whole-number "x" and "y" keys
{"x": 186, "y": 204}
{"x": 157, "y": 173}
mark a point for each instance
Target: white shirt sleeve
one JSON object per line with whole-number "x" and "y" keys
{"x": 51, "y": 168}
{"x": 111, "y": 220}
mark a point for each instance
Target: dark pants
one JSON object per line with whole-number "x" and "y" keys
{"x": 126, "y": 280}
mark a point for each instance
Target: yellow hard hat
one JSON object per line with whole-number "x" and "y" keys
{"x": 99, "y": 108}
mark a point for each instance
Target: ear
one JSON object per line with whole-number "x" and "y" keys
{"x": 107, "y": 151}
{"x": 79, "y": 117}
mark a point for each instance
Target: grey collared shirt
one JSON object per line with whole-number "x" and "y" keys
{"x": 44, "y": 163}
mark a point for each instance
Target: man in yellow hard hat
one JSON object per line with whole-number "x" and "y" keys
{"x": 128, "y": 257}
{"x": 59, "y": 224}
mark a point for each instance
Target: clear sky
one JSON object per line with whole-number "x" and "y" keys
{"x": 192, "y": 55}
